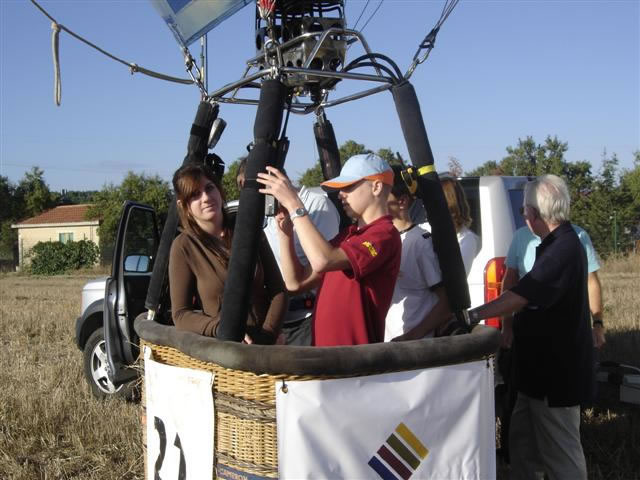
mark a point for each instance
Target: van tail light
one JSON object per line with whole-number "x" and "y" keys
{"x": 493, "y": 274}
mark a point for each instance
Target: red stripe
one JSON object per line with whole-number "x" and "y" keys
{"x": 394, "y": 463}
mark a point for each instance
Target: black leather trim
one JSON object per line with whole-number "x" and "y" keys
{"x": 338, "y": 361}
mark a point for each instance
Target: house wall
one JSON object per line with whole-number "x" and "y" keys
{"x": 29, "y": 236}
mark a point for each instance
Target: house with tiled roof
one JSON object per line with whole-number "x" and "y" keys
{"x": 60, "y": 224}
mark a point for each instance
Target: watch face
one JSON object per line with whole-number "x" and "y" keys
{"x": 300, "y": 212}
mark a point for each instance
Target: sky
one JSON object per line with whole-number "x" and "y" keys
{"x": 500, "y": 71}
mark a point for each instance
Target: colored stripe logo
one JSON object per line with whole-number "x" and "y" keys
{"x": 400, "y": 456}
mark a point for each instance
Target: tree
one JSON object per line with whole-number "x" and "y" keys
{"x": 551, "y": 157}
{"x": 528, "y": 159}
{"x": 75, "y": 197}
{"x": 312, "y": 177}
{"x": 150, "y": 190}
{"x": 522, "y": 159}
{"x": 630, "y": 183}
{"x": 29, "y": 198}
{"x": 455, "y": 168}
{"x": 8, "y": 236}
{"x": 229, "y": 184}
{"x": 490, "y": 167}
{"x": 388, "y": 155}
{"x": 35, "y": 192}
{"x": 350, "y": 148}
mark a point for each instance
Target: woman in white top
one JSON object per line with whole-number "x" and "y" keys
{"x": 461, "y": 216}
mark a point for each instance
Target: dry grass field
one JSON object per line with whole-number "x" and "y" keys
{"x": 52, "y": 428}
{"x": 50, "y": 425}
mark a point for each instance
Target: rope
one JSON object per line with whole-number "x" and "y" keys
{"x": 133, "y": 67}
{"x": 55, "y": 42}
{"x": 355, "y": 25}
{"x": 372, "y": 15}
{"x": 429, "y": 41}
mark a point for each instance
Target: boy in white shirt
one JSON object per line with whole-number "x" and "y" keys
{"x": 419, "y": 304}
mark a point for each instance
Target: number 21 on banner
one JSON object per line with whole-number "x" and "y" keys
{"x": 162, "y": 437}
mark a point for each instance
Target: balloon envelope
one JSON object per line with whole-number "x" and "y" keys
{"x": 190, "y": 19}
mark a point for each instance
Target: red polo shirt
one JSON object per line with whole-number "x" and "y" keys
{"x": 351, "y": 305}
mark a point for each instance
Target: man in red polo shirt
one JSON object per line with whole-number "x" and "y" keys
{"x": 356, "y": 271}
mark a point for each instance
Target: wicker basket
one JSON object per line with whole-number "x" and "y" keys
{"x": 246, "y": 375}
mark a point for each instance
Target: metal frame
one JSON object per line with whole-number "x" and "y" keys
{"x": 273, "y": 56}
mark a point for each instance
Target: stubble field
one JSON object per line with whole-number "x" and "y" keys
{"x": 52, "y": 428}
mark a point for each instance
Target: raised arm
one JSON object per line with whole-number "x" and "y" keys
{"x": 322, "y": 256}
{"x": 297, "y": 277}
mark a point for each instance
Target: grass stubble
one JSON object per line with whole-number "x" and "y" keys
{"x": 51, "y": 427}
{"x": 611, "y": 429}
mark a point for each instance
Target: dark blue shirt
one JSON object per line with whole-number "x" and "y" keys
{"x": 552, "y": 334}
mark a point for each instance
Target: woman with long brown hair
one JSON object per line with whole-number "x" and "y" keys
{"x": 461, "y": 216}
{"x": 199, "y": 261}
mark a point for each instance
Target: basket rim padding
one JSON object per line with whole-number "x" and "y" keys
{"x": 325, "y": 361}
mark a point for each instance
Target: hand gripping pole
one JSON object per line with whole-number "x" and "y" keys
{"x": 196, "y": 153}
{"x": 445, "y": 242}
{"x": 249, "y": 220}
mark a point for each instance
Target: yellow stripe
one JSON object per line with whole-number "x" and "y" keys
{"x": 408, "y": 436}
{"x": 372, "y": 250}
{"x": 426, "y": 169}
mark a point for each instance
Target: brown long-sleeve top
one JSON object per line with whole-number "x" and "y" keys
{"x": 196, "y": 282}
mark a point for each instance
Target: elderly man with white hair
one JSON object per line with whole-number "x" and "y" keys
{"x": 552, "y": 335}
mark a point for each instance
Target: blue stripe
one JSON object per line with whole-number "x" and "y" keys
{"x": 381, "y": 470}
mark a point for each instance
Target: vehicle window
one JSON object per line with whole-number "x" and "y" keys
{"x": 472, "y": 193}
{"x": 140, "y": 242}
{"x": 516, "y": 197}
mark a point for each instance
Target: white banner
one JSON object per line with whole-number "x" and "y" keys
{"x": 180, "y": 420}
{"x": 432, "y": 423}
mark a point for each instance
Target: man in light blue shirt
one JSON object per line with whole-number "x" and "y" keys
{"x": 520, "y": 259}
{"x": 522, "y": 252}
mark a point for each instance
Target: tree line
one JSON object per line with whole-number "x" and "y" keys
{"x": 605, "y": 201}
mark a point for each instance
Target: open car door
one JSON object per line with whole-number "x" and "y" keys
{"x": 126, "y": 289}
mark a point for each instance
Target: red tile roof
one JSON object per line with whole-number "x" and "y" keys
{"x": 61, "y": 214}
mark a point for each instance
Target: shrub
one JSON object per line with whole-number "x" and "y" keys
{"x": 54, "y": 258}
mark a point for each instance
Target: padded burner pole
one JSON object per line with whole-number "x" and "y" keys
{"x": 197, "y": 147}
{"x": 445, "y": 241}
{"x": 250, "y": 217}
{"x": 329, "y": 160}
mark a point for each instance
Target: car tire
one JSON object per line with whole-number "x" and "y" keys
{"x": 95, "y": 370}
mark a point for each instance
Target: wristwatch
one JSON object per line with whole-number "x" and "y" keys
{"x": 299, "y": 212}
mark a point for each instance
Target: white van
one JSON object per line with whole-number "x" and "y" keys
{"x": 495, "y": 203}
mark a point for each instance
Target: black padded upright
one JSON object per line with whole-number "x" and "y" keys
{"x": 250, "y": 217}
{"x": 445, "y": 242}
{"x": 197, "y": 147}
{"x": 330, "y": 161}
